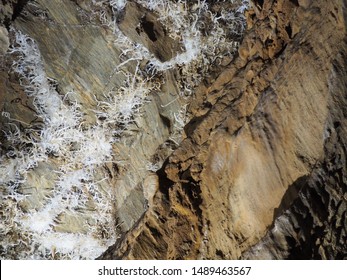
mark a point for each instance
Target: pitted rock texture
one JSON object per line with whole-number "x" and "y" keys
{"x": 262, "y": 172}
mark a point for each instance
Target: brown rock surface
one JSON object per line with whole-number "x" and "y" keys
{"x": 262, "y": 170}
{"x": 141, "y": 25}
{"x": 79, "y": 55}
{"x": 262, "y": 173}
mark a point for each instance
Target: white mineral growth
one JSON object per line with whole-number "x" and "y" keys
{"x": 78, "y": 150}
{"x": 75, "y": 186}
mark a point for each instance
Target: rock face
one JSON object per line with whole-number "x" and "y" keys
{"x": 93, "y": 100}
{"x": 262, "y": 172}
{"x": 81, "y": 61}
{"x": 141, "y": 25}
{"x": 115, "y": 120}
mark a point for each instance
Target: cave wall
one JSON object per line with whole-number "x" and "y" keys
{"x": 262, "y": 173}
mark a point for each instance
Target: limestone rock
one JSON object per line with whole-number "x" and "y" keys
{"x": 4, "y": 42}
{"x": 141, "y": 25}
{"x": 218, "y": 154}
{"x": 84, "y": 65}
{"x": 262, "y": 173}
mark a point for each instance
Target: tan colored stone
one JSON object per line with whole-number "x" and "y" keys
{"x": 254, "y": 147}
{"x": 4, "y": 41}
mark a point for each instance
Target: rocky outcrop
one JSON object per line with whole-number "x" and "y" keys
{"x": 262, "y": 172}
